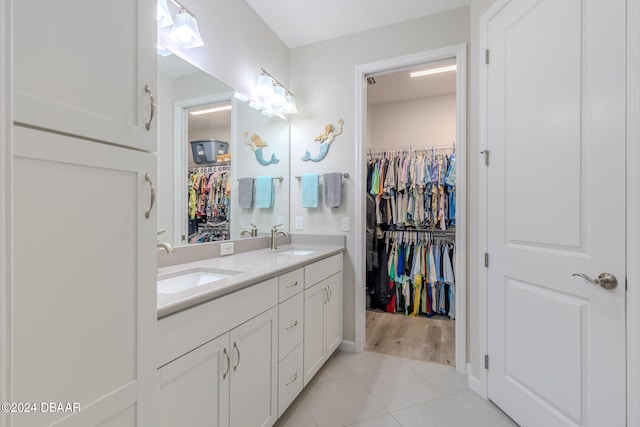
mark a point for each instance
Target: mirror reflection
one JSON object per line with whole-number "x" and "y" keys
{"x": 207, "y": 141}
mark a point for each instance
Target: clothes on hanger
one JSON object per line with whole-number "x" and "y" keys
{"x": 418, "y": 277}
{"x": 413, "y": 190}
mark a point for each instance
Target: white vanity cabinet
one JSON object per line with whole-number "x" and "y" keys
{"x": 290, "y": 338}
{"x": 222, "y": 361}
{"x": 322, "y": 313}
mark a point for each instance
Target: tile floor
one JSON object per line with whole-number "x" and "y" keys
{"x": 377, "y": 390}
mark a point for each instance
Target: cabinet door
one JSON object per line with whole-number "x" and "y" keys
{"x": 254, "y": 358}
{"x": 87, "y": 77}
{"x": 84, "y": 280}
{"x": 314, "y": 301}
{"x": 194, "y": 389}
{"x": 333, "y": 314}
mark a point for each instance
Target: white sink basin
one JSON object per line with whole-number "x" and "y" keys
{"x": 188, "y": 279}
{"x": 296, "y": 252}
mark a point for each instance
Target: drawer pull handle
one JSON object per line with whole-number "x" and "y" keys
{"x": 292, "y": 285}
{"x": 294, "y": 324}
{"x": 237, "y": 351}
{"x": 224, "y": 376}
{"x": 147, "y": 213}
{"x": 147, "y": 89}
{"x": 295, "y": 377}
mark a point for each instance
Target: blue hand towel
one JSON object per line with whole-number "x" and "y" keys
{"x": 264, "y": 192}
{"x": 245, "y": 192}
{"x": 310, "y": 190}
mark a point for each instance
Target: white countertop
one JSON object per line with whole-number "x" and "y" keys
{"x": 253, "y": 267}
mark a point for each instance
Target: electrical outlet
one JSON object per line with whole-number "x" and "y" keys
{"x": 299, "y": 223}
{"x": 226, "y": 248}
{"x": 346, "y": 223}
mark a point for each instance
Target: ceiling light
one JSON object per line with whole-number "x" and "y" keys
{"x": 210, "y": 110}
{"x": 185, "y": 30}
{"x": 433, "y": 71}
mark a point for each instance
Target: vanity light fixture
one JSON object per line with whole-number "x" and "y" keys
{"x": 163, "y": 15}
{"x": 240, "y": 97}
{"x": 433, "y": 71}
{"x": 210, "y": 110}
{"x": 274, "y": 96}
{"x": 185, "y": 27}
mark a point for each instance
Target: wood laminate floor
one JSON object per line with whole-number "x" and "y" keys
{"x": 419, "y": 338}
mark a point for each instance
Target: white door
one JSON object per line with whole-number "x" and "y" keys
{"x": 556, "y": 206}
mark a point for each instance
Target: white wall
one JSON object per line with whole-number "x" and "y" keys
{"x": 322, "y": 78}
{"x": 416, "y": 123}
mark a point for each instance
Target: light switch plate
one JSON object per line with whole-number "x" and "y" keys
{"x": 226, "y": 248}
{"x": 241, "y": 221}
{"x": 346, "y": 223}
{"x": 299, "y": 223}
{"x": 280, "y": 220}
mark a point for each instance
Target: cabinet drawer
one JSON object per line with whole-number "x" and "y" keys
{"x": 289, "y": 379}
{"x": 320, "y": 270}
{"x": 290, "y": 284}
{"x": 291, "y": 326}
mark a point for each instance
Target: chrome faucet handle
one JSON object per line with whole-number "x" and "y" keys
{"x": 161, "y": 230}
{"x": 275, "y": 227}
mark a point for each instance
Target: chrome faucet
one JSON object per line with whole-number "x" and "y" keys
{"x": 167, "y": 247}
{"x": 253, "y": 232}
{"x": 274, "y": 236}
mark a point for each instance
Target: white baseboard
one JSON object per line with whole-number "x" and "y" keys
{"x": 349, "y": 346}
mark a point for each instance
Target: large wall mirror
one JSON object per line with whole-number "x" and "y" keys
{"x": 199, "y": 197}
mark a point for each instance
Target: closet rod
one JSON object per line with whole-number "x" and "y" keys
{"x": 422, "y": 230}
{"x": 346, "y": 175}
{"x": 279, "y": 178}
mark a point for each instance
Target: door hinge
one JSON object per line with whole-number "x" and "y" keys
{"x": 486, "y": 56}
{"x": 486, "y": 362}
{"x": 184, "y": 238}
{"x": 486, "y": 259}
{"x": 486, "y": 157}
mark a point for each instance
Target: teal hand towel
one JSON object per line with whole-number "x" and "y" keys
{"x": 264, "y": 192}
{"x": 310, "y": 190}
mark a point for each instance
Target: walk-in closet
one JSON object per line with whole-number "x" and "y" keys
{"x": 411, "y": 212}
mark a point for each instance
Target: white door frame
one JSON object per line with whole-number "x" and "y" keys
{"x": 460, "y": 53}
{"x": 633, "y": 213}
{"x": 479, "y": 381}
{"x": 6, "y": 152}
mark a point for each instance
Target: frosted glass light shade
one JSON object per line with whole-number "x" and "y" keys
{"x": 185, "y": 30}
{"x": 279, "y": 98}
{"x": 163, "y": 15}
{"x": 290, "y": 106}
{"x": 264, "y": 87}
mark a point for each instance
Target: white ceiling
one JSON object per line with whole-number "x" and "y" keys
{"x": 299, "y": 22}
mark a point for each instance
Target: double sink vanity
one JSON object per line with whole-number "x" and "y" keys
{"x": 239, "y": 336}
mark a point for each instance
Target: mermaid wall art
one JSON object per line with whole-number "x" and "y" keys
{"x": 325, "y": 139}
{"x": 257, "y": 145}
